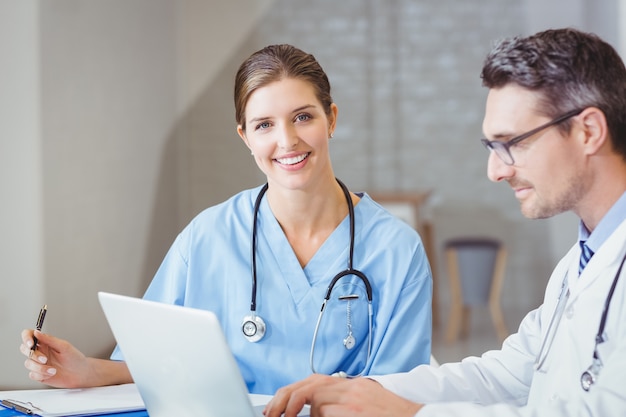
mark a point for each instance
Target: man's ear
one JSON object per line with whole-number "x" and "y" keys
{"x": 595, "y": 130}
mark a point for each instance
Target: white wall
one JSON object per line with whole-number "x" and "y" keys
{"x": 209, "y": 35}
{"x": 21, "y": 262}
{"x": 108, "y": 96}
{"x": 89, "y": 114}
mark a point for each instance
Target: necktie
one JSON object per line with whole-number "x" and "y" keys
{"x": 585, "y": 256}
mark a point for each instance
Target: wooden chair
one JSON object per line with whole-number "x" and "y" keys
{"x": 475, "y": 269}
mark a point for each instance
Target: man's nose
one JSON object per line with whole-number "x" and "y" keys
{"x": 497, "y": 170}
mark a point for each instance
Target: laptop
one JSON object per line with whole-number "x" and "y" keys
{"x": 179, "y": 359}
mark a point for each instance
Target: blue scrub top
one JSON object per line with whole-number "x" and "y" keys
{"x": 209, "y": 267}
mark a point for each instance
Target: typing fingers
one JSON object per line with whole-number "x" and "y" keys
{"x": 289, "y": 401}
{"x": 361, "y": 397}
{"x": 285, "y": 399}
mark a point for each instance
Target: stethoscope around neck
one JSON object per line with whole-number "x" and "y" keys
{"x": 253, "y": 326}
{"x": 590, "y": 375}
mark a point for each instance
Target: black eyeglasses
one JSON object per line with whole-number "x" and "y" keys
{"x": 503, "y": 149}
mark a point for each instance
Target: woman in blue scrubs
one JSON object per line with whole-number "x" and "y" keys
{"x": 302, "y": 226}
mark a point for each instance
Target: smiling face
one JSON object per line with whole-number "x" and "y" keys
{"x": 288, "y": 131}
{"x": 548, "y": 175}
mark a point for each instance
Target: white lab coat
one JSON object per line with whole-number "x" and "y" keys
{"x": 505, "y": 383}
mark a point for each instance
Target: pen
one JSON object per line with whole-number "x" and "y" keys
{"x": 39, "y": 324}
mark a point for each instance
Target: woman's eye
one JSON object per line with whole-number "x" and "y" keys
{"x": 263, "y": 125}
{"x": 303, "y": 117}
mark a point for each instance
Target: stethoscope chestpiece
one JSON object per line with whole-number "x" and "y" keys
{"x": 253, "y": 327}
{"x": 588, "y": 378}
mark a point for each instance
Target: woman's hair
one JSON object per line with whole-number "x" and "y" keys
{"x": 274, "y": 63}
{"x": 569, "y": 69}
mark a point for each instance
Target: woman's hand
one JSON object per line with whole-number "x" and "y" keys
{"x": 58, "y": 363}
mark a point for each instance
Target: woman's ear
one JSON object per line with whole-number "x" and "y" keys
{"x": 242, "y": 134}
{"x": 332, "y": 119}
{"x": 595, "y": 130}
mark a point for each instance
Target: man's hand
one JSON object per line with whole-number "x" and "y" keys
{"x": 330, "y": 396}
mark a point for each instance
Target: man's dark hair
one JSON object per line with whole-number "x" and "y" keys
{"x": 569, "y": 69}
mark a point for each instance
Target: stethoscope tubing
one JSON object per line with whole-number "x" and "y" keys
{"x": 349, "y": 271}
{"x": 556, "y": 319}
{"x": 370, "y": 315}
{"x": 257, "y": 204}
{"x": 552, "y": 326}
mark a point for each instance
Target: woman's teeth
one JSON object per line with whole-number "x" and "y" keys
{"x": 293, "y": 160}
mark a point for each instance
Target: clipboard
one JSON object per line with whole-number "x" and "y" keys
{"x": 75, "y": 402}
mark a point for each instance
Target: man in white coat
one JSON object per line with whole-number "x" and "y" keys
{"x": 555, "y": 123}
